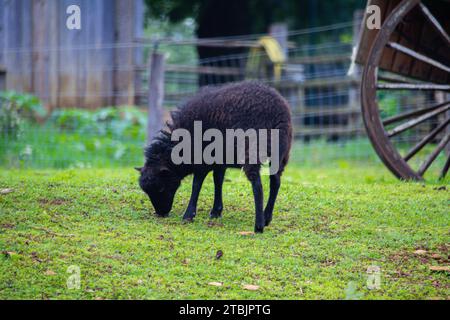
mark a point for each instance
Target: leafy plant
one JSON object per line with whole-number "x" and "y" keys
{"x": 15, "y": 108}
{"x": 10, "y": 120}
{"x": 111, "y": 122}
{"x": 28, "y": 105}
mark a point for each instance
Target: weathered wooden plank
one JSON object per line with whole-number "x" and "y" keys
{"x": 69, "y": 58}
{"x": 17, "y": 42}
{"x": 53, "y": 62}
{"x": 99, "y": 58}
{"x": 320, "y": 59}
{"x": 389, "y": 55}
{"x": 84, "y": 84}
{"x": 26, "y": 43}
{"x": 2, "y": 32}
{"x": 44, "y": 51}
{"x": 367, "y": 36}
{"x": 203, "y": 69}
{"x": 71, "y": 67}
{"x": 320, "y": 82}
{"x": 124, "y": 56}
{"x": 139, "y": 16}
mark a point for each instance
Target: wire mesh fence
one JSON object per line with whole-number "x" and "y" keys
{"x": 324, "y": 99}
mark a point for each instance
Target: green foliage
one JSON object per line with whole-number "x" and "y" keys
{"x": 329, "y": 226}
{"x": 28, "y": 105}
{"x": 388, "y": 103}
{"x": 78, "y": 138}
{"x": 163, "y": 28}
{"x": 15, "y": 109}
{"x": 112, "y": 122}
{"x": 10, "y": 120}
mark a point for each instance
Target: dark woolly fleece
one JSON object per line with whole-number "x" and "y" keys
{"x": 241, "y": 105}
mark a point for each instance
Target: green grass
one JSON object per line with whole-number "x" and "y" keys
{"x": 47, "y": 146}
{"x": 330, "y": 225}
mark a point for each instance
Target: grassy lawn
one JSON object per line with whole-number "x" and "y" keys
{"x": 329, "y": 226}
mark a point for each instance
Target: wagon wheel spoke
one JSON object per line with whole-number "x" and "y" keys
{"x": 424, "y": 167}
{"x": 394, "y": 79}
{"x": 445, "y": 169}
{"x": 413, "y": 86}
{"x": 427, "y": 139}
{"x": 414, "y": 122}
{"x": 435, "y": 23}
{"x": 418, "y": 56}
{"x": 415, "y": 113}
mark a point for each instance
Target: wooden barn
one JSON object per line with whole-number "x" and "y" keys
{"x": 90, "y": 67}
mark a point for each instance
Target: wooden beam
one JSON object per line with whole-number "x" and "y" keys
{"x": 155, "y": 95}
{"x": 320, "y": 59}
{"x": 205, "y": 42}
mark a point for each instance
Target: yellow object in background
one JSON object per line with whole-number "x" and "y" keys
{"x": 274, "y": 52}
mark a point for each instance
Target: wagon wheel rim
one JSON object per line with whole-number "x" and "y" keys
{"x": 379, "y": 135}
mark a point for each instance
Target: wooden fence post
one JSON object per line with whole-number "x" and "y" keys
{"x": 155, "y": 95}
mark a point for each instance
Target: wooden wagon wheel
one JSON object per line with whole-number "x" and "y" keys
{"x": 381, "y": 131}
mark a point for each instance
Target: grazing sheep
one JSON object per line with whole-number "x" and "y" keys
{"x": 244, "y": 105}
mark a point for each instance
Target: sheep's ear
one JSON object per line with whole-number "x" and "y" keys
{"x": 138, "y": 169}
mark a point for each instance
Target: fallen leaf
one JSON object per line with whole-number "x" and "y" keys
{"x": 216, "y": 284}
{"x": 440, "y": 268}
{"x": 251, "y": 287}
{"x": 436, "y": 256}
{"x": 50, "y": 273}
{"x": 420, "y": 252}
{"x": 213, "y": 223}
{"x": 246, "y": 233}
{"x": 9, "y": 254}
{"x": 6, "y": 191}
{"x": 35, "y": 257}
{"x": 219, "y": 254}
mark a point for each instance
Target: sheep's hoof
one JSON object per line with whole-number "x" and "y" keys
{"x": 162, "y": 215}
{"x": 215, "y": 214}
{"x": 268, "y": 223}
{"x": 188, "y": 220}
{"x": 259, "y": 229}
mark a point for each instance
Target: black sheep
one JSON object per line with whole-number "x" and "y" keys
{"x": 244, "y": 105}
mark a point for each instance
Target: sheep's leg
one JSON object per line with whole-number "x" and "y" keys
{"x": 255, "y": 179}
{"x": 216, "y": 211}
{"x": 191, "y": 210}
{"x": 275, "y": 182}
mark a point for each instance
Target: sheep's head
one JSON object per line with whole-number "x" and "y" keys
{"x": 160, "y": 184}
